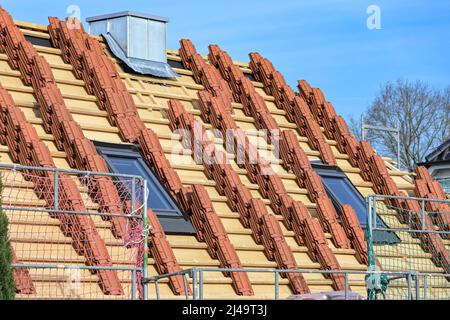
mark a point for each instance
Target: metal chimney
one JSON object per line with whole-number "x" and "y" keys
{"x": 138, "y": 39}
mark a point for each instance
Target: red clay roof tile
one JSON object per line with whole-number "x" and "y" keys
{"x": 80, "y": 228}
{"x": 132, "y": 129}
{"x": 296, "y": 108}
{"x": 308, "y": 110}
{"x": 265, "y": 228}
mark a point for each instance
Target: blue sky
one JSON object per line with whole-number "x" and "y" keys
{"x": 323, "y": 41}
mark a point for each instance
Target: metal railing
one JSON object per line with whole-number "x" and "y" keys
{"x": 373, "y": 213}
{"x": 410, "y": 284}
{"x": 72, "y": 278}
{"x": 410, "y": 251}
{"x": 56, "y": 174}
{"x": 33, "y": 214}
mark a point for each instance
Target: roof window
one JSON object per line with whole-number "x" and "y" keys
{"x": 37, "y": 41}
{"x": 125, "y": 159}
{"x": 342, "y": 191}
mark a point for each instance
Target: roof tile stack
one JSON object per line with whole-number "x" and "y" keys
{"x": 360, "y": 154}
{"x": 98, "y": 72}
{"x": 205, "y": 74}
{"x": 22, "y": 278}
{"x": 426, "y": 187}
{"x": 355, "y": 233}
{"x": 81, "y": 153}
{"x": 244, "y": 92}
{"x": 296, "y": 161}
{"x": 160, "y": 250}
{"x": 296, "y": 109}
{"x": 27, "y": 149}
{"x": 213, "y": 232}
{"x": 102, "y": 79}
{"x": 253, "y": 212}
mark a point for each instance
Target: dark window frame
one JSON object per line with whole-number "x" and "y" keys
{"x": 250, "y": 76}
{"x": 37, "y": 41}
{"x": 335, "y": 172}
{"x": 174, "y": 221}
{"x": 175, "y": 64}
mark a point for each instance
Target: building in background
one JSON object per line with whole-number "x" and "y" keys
{"x": 438, "y": 163}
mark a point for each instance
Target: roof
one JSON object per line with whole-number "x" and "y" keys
{"x": 441, "y": 153}
{"x": 126, "y": 14}
{"x": 283, "y": 221}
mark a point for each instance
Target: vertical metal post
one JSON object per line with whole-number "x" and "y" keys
{"x": 346, "y": 286}
{"x": 133, "y": 285}
{"x": 374, "y": 212}
{"x": 55, "y": 189}
{"x": 201, "y": 285}
{"x": 369, "y": 213}
{"x": 277, "y": 285}
{"x": 409, "y": 287}
{"x": 425, "y": 286}
{"x": 185, "y": 283}
{"x": 133, "y": 193}
{"x": 194, "y": 284}
{"x": 156, "y": 289}
{"x": 145, "y": 221}
{"x": 369, "y": 232}
{"x": 422, "y": 207}
{"x": 416, "y": 278}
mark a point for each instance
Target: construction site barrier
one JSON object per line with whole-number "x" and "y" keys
{"x": 417, "y": 240}
{"x": 403, "y": 285}
{"x": 45, "y": 232}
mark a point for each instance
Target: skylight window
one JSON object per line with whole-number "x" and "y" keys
{"x": 342, "y": 191}
{"x": 125, "y": 159}
{"x": 37, "y": 41}
{"x": 250, "y": 76}
{"x": 175, "y": 64}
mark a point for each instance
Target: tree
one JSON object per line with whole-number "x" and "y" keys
{"x": 421, "y": 113}
{"x": 7, "y": 286}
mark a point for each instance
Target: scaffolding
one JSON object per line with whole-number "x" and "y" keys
{"x": 415, "y": 241}
{"x": 401, "y": 285}
{"x": 70, "y": 240}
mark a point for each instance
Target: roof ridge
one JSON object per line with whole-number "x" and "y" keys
{"x": 44, "y": 28}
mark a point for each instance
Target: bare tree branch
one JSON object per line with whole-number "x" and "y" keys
{"x": 421, "y": 112}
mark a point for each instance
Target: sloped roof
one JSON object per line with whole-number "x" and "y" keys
{"x": 442, "y": 153}
{"x": 284, "y": 220}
